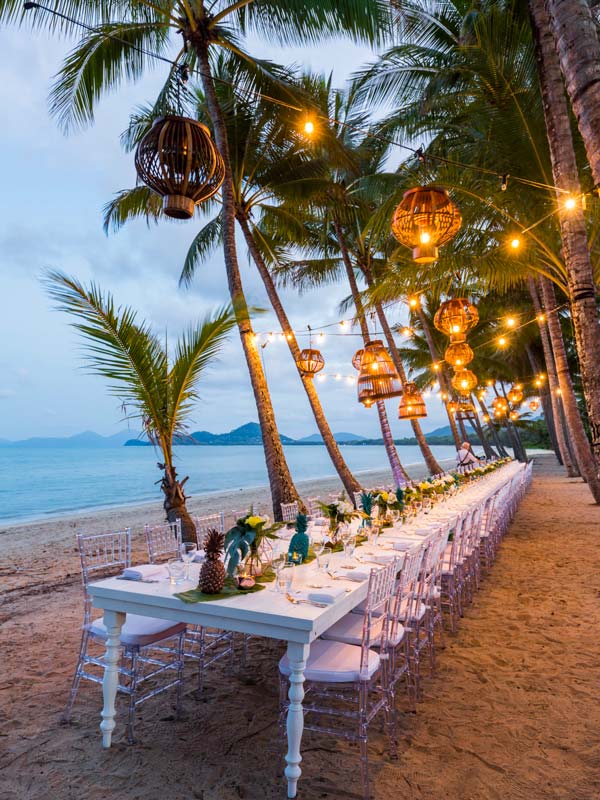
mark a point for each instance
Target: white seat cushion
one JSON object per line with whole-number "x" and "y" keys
{"x": 140, "y": 631}
{"x": 417, "y": 613}
{"x": 349, "y": 631}
{"x": 334, "y": 662}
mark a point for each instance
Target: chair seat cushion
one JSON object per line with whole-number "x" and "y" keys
{"x": 349, "y": 630}
{"x": 334, "y": 662}
{"x": 140, "y": 631}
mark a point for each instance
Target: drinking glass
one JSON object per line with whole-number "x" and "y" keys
{"x": 350, "y": 546}
{"x": 188, "y": 551}
{"x": 285, "y": 578}
{"x": 318, "y": 545}
{"x": 326, "y": 558}
{"x": 176, "y": 569}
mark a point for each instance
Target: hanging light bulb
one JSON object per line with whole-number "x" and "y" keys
{"x": 515, "y": 242}
{"x": 406, "y": 331}
{"x": 309, "y": 127}
{"x": 413, "y": 302}
{"x": 511, "y": 322}
{"x": 343, "y": 325}
{"x": 541, "y": 318}
{"x": 502, "y": 341}
{"x": 321, "y": 338}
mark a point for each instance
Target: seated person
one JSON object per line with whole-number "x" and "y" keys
{"x": 465, "y": 457}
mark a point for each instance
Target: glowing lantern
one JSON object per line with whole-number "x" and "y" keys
{"x": 412, "y": 405}
{"x": 464, "y": 381}
{"x": 425, "y": 219}
{"x": 515, "y": 396}
{"x": 459, "y": 354}
{"x": 377, "y": 379}
{"x": 456, "y": 317}
{"x": 356, "y": 359}
{"x": 500, "y": 406}
{"x": 310, "y": 362}
{"x": 178, "y": 160}
{"x": 534, "y": 405}
{"x": 465, "y": 409}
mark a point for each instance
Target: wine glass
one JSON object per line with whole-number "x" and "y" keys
{"x": 350, "y": 546}
{"x": 318, "y": 545}
{"x": 188, "y": 550}
{"x": 345, "y": 536}
{"x": 326, "y": 558}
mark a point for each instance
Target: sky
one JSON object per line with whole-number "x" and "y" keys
{"x": 54, "y": 189}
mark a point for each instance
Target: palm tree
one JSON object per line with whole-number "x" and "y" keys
{"x": 265, "y": 156}
{"x": 156, "y": 386}
{"x": 112, "y": 50}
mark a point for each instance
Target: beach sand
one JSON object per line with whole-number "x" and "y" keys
{"x": 513, "y": 711}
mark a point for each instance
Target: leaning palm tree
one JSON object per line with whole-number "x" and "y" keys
{"x": 157, "y": 387}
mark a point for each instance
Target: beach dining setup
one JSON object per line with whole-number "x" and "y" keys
{"x": 358, "y": 599}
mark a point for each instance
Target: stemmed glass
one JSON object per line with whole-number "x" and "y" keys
{"x": 345, "y": 536}
{"x": 318, "y": 545}
{"x": 188, "y": 551}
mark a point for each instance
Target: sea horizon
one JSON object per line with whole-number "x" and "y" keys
{"x": 64, "y": 481}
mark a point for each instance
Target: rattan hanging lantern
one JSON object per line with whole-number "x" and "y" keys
{"x": 178, "y": 160}
{"x": 310, "y": 361}
{"x": 452, "y": 406}
{"x": 377, "y": 379}
{"x": 500, "y": 405}
{"x": 466, "y": 409}
{"x": 515, "y": 396}
{"x": 534, "y": 405}
{"x": 456, "y": 317}
{"x": 425, "y": 219}
{"x": 356, "y": 359}
{"x": 459, "y": 354}
{"x": 464, "y": 381}
{"x": 412, "y": 405}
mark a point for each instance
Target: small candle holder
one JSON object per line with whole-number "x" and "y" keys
{"x": 295, "y": 558}
{"x": 245, "y": 581}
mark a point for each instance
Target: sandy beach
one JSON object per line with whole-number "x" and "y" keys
{"x": 512, "y": 712}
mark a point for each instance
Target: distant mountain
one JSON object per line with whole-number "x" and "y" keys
{"x": 244, "y": 435}
{"x": 341, "y": 438}
{"x": 85, "y": 439}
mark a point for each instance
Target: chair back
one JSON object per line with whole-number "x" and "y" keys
{"x": 313, "y": 506}
{"x": 406, "y": 590}
{"x": 358, "y": 500}
{"x": 163, "y": 541}
{"x": 102, "y": 555}
{"x": 382, "y": 583}
{"x": 289, "y": 511}
{"x": 208, "y": 522}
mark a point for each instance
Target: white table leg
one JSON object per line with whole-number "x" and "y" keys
{"x": 114, "y": 621}
{"x": 297, "y": 656}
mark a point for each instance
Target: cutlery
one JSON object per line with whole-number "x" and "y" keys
{"x": 136, "y": 580}
{"x": 297, "y": 601}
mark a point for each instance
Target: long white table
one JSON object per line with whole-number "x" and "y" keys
{"x": 264, "y": 613}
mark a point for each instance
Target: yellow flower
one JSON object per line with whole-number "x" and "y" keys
{"x": 424, "y": 486}
{"x": 384, "y": 496}
{"x": 254, "y": 521}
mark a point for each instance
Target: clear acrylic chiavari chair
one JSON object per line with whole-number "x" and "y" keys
{"x": 346, "y": 684}
{"x": 150, "y": 647}
{"x": 289, "y": 511}
{"x": 206, "y": 523}
{"x": 163, "y": 541}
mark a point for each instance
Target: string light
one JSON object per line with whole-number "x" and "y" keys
{"x": 413, "y": 302}
{"x": 502, "y": 341}
{"x": 515, "y": 242}
{"x": 321, "y": 378}
{"x": 343, "y": 325}
{"x": 309, "y": 127}
{"x": 338, "y": 377}
{"x": 511, "y": 322}
{"x": 321, "y": 338}
{"x": 541, "y": 318}
{"x": 406, "y": 331}
{"x": 436, "y": 367}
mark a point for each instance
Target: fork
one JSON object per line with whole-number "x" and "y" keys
{"x": 296, "y": 601}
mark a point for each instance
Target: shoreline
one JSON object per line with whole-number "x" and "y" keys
{"x": 10, "y": 523}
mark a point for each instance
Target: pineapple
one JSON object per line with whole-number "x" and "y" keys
{"x": 212, "y": 574}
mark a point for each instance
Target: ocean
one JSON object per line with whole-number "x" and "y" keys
{"x": 37, "y": 483}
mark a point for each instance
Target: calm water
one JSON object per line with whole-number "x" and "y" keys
{"x": 35, "y": 483}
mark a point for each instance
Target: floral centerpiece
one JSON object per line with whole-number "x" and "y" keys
{"x": 339, "y": 512}
{"x": 244, "y": 540}
{"x": 383, "y": 500}
{"x": 397, "y": 502}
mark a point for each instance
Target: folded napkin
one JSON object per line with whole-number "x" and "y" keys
{"x": 408, "y": 543}
{"x": 145, "y": 572}
{"x": 379, "y": 556}
{"x": 322, "y": 594}
{"x": 357, "y": 574}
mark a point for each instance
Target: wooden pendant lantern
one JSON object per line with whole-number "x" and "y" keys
{"x": 377, "y": 379}
{"x": 456, "y": 317}
{"x": 452, "y": 406}
{"x": 356, "y": 359}
{"x": 515, "y": 396}
{"x": 425, "y": 219}
{"x": 464, "y": 381}
{"x": 534, "y": 405}
{"x": 500, "y": 405}
{"x": 178, "y": 160}
{"x": 465, "y": 409}
{"x": 412, "y": 405}
{"x": 310, "y": 362}
{"x": 459, "y": 354}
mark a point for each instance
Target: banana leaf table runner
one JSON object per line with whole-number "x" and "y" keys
{"x": 231, "y": 590}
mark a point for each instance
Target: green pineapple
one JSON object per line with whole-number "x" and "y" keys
{"x": 212, "y": 574}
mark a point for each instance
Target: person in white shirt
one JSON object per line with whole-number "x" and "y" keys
{"x": 465, "y": 457}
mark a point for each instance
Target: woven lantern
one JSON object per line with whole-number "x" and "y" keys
{"x": 500, "y": 405}
{"x": 377, "y": 379}
{"x": 178, "y": 160}
{"x": 356, "y": 359}
{"x": 465, "y": 409}
{"x": 452, "y": 406}
{"x": 456, "y": 317}
{"x": 534, "y": 405}
{"x": 515, "y": 396}
{"x": 425, "y": 219}
{"x": 464, "y": 381}
{"x": 412, "y": 405}
{"x": 459, "y": 354}
{"x": 310, "y": 362}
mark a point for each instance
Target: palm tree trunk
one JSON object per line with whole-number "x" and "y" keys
{"x": 430, "y": 460}
{"x": 546, "y": 403}
{"x": 557, "y": 410}
{"x": 443, "y": 375}
{"x": 174, "y": 502}
{"x": 581, "y": 445}
{"x": 401, "y": 477}
{"x": 576, "y": 38}
{"x": 348, "y": 480}
{"x": 280, "y": 479}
